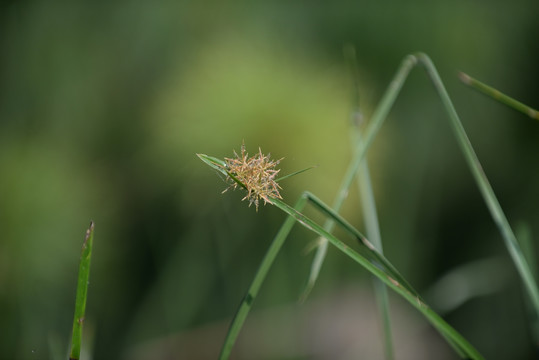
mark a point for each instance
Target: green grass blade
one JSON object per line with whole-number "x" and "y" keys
{"x": 468, "y": 281}
{"x": 484, "y": 186}
{"x": 460, "y": 344}
{"x": 499, "y": 96}
{"x": 376, "y": 122}
{"x": 214, "y": 163}
{"x": 366, "y": 249}
{"x": 524, "y": 236}
{"x": 366, "y": 256}
{"x": 368, "y": 206}
{"x": 252, "y": 292}
{"x": 489, "y": 197}
{"x": 372, "y": 226}
{"x": 82, "y": 292}
{"x": 295, "y": 173}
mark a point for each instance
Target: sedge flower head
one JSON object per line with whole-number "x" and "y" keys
{"x": 257, "y": 173}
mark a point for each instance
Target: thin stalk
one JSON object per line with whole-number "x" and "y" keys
{"x": 252, "y": 292}
{"x": 376, "y": 122}
{"x": 367, "y": 256}
{"x": 378, "y": 269}
{"x": 295, "y": 173}
{"x": 484, "y": 186}
{"x": 459, "y": 343}
{"x": 366, "y": 249}
{"x": 82, "y": 292}
{"x": 524, "y": 236}
{"x": 498, "y": 95}
{"x": 471, "y": 158}
{"x": 372, "y": 226}
{"x": 447, "y": 294}
{"x": 368, "y": 205}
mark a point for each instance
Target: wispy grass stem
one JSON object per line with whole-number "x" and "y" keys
{"x": 368, "y": 204}
{"x": 366, "y": 255}
{"x": 498, "y": 95}
{"x": 485, "y": 188}
{"x": 82, "y": 292}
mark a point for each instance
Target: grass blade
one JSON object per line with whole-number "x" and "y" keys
{"x": 295, "y": 173}
{"x": 459, "y": 343}
{"x": 82, "y": 292}
{"x": 252, "y": 292}
{"x": 499, "y": 96}
{"x": 366, "y": 256}
{"x": 376, "y": 122}
{"x": 484, "y": 186}
{"x": 468, "y": 281}
{"x": 214, "y": 163}
{"x": 368, "y": 206}
{"x": 524, "y": 236}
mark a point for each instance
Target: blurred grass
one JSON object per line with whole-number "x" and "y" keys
{"x": 103, "y": 106}
{"x": 82, "y": 294}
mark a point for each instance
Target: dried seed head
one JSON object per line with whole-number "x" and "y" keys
{"x": 257, "y": 173}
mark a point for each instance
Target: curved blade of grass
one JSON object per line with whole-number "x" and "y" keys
{"x": 480, "y": 178}
{"x": 82, "y": 291}
{"x": 468, "y": 281}
{"x": 389, "y": 278}
{"x": 484, "y": 186}
{"x": 366, "y": 249}
{"x": 376, "y": 122}
{"x": 366, "y": 256}
{"x": 498, "y": 96}
{"x": 252, "y": 291}
{"x": 368, "y": 206}
{"x": 372, "y": 226}
{"x": 461, "y": 345}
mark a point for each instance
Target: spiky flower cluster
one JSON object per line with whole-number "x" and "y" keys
{"x": 257, "y": 173}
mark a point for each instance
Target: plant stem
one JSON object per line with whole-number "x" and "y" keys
{"x": 366, "y": 256}
{"x": 460, "y": 344}
{"x": 376, "y": 122}
{"x": 252, "y": 292}
{"x": 484, "y": 186}
{"x": 489, "y": 197}
{"x": 499, "y": 96}
{"x": 524, "y": 236}
{"x": 368, "y": 205}
{"x": 82, "y": 292}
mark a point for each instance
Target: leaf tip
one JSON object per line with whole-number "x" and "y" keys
{"x": 465, "y": 78}
{"x": 89, "y": 233}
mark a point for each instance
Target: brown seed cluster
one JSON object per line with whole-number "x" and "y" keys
{"x": 257, "y": 173}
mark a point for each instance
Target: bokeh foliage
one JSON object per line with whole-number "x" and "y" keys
{"x": 103, "y": 107}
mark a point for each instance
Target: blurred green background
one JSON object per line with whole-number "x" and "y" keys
{"x": 103, "y": 107}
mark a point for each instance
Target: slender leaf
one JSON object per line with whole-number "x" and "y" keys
{"x": 295, "y": 173}
{"x": 367, "y": 256}
{"x": 82, "y": 292}
{"x": 480, "y": 178}
{"x": 498, "y": 96}
{"x": 368, "y": 206}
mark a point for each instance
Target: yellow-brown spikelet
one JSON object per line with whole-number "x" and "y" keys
{"x": 257, "y": 173}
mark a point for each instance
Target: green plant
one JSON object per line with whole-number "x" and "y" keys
{"x": 367, "y": 255}
{"x": 82, "y": 293}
